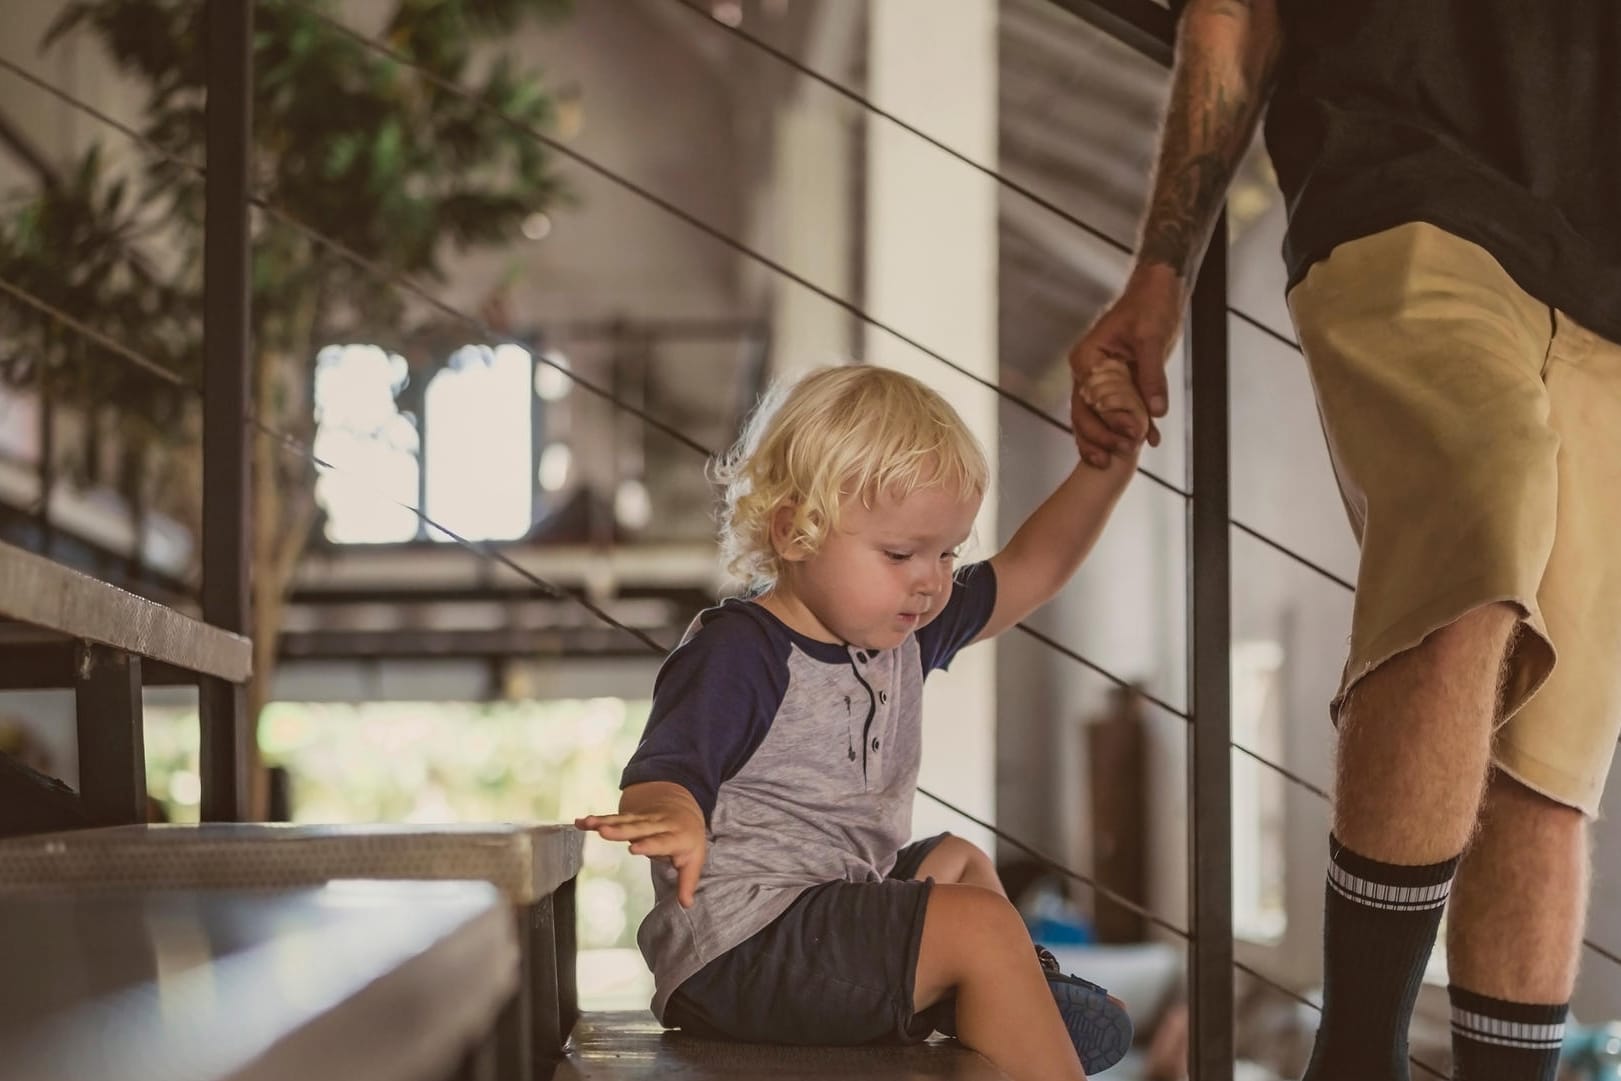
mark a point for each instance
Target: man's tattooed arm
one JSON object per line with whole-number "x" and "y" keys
{"x": 1226, "y": 59}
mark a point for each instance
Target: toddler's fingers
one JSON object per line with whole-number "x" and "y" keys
{"x": 686, "y": 883}
{"x": 1123, "y": 400}
{"x": 633, "y": 831}
{"x": 595, "y": 822}
{"x": 661, "y": 844}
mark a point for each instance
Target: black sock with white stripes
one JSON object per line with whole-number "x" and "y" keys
{"x": 1378, "y": 930}
{"x": 1494, "y": 1040}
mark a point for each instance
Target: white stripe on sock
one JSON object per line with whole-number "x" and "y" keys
{"x": 1504, "y": 1041}
{"x": 1496, "y": 1030}
{"x": 1382, "y": 895}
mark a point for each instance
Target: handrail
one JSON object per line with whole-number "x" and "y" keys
{"x": 49, "y": 595}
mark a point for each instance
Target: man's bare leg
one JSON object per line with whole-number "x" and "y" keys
{"x": 1414, "y": 748}
{"x": 1514, "y": 931}
{"x": 1415, "y": 743}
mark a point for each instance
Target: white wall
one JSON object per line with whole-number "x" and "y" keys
{"x": 813, "y": 222}
{"x": 931, "y": 273}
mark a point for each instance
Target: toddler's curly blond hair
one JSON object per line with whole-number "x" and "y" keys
{"x": 852, "y": 432}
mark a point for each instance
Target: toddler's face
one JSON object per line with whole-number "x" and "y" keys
{"x": 886, "y": 571}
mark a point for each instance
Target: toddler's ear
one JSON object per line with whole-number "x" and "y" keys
{"x": 784, "y": 535}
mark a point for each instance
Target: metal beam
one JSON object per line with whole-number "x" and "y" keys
{"x": 112, "y": 744}
{"x": 1210, "y": 802}
{"x": 690, "y": 598}
{"x": 43, "y": 593}
{"x": 227, "y": 404}
{"x": 572, "y": 642}
{"x": 429, "y": 565}
{"x": 1141, "y": 24}
{"x": 52, "y": 664}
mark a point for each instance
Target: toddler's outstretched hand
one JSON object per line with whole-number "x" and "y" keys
{"x": 673, "y": 833}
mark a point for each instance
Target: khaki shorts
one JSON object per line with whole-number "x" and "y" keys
{"x": 1476, "y": 435}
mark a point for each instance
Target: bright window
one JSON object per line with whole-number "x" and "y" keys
{"x": 480, "y": 481}
{"x": 370, "y": 493}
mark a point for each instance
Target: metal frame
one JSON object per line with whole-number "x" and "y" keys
{"x": 50, "y": 662}
{"x": 112, "y": 743}
{"x": 227, "y": 402}
{"x": 40, "y": 592}
{"x": 1210, "y": 802}
{"x": 67, "y": 629}
{"x": 600, "y": 643}
{"x": 1151, "y": 30}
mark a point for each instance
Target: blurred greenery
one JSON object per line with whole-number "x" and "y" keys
{"x": 444, "y": 762}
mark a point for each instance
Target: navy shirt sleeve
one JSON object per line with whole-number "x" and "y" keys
{"x": 713, "y": 703}
{"x": 973, "y": 597}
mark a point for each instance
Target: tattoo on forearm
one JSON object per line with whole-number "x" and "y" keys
{"x": 1209, "y": 121}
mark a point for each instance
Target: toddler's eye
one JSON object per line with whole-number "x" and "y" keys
{"x": 898, "y": 557}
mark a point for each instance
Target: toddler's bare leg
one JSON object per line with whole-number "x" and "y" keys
{"x": 975, "y": 948}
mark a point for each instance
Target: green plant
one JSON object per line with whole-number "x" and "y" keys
{"x": 353, "y": 145}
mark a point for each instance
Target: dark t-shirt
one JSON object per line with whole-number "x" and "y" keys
{"x": 1497, "y": 120}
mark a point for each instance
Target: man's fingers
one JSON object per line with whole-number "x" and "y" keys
{"x": 1132, "y": 424}
{"x": 1151, "y": 384}
{"x": 1115, "y": 402}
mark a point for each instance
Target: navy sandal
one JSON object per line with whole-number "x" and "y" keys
{"x": 1098, "y": 1026}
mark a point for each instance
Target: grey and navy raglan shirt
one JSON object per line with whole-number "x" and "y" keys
{"x": 803, "y": 756}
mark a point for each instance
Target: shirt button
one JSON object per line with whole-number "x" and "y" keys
{"x": 875, "y": 745}
{"x": 883, "y": 696}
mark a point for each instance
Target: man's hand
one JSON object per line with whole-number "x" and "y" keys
{"x": 1112, "y": 396}
{"x": 1135, "y": 332}
{"x": 669, "y": 832}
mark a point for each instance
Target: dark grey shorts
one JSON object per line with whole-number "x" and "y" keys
{"x": 837, "y": 968}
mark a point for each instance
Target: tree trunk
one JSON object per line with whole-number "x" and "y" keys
{"x": 283, "y": 512}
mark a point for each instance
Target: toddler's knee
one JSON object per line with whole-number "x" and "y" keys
{"x": 993, "y": 917}
{"x": 966, "y": 853}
